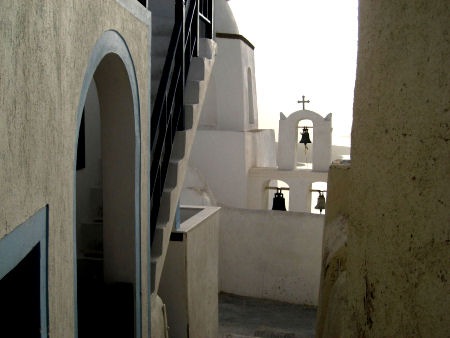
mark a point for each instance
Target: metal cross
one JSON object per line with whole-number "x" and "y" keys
{"x": 303, "y": 101}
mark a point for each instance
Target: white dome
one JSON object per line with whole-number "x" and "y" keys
{"x": 224, "y": 21}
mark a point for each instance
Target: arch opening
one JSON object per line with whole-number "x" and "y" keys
{"x": 322, "y": 186}
{"x": 305, "y": 154}
{"x": 270, "y": 194}
{"x": 107, "y": 206}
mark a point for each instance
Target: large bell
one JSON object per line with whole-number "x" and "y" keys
{"x": 320, "y": 202}
{"x": 278, "y": 201}
{"x": 305, "y": 137}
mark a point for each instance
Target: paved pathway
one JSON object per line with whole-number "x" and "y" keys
{"x": 242, "y": 317}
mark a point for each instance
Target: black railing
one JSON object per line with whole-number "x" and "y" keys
{"x": 191, "y": 17}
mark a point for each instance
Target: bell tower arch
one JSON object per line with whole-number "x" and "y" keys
{"x": 288, "y": 139}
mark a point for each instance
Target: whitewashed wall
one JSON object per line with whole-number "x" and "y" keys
{"x": 270, "y": 254}
{"x": 299, "y": 182}
{"x": 224, "y": 158}
{"x": 227, "y": 105}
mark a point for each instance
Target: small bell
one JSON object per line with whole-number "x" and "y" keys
{"x": 320, "y": 202}
{"x": 305, "y": 137}
{"x": 278, "y": 201}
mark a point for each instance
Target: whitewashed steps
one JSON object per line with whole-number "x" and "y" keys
{"x": 195, "y": 90}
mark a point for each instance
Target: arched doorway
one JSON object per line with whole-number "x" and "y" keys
{"x": 108, "y": 278}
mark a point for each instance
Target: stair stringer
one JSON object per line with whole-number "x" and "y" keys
{"x": 195, "y": 91}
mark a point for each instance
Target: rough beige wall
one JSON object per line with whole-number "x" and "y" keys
{"x": 202, "y": 251}
{"x": 44, "y": 50}
{"x": 334, "y": 246}
{"x": 189, "y": 282}
{"x": 398, "y": 245}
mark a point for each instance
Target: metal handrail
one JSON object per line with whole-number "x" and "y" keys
{"x": 168, "y": 113}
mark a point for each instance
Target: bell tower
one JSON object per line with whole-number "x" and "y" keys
{"x": 288, "y": 139}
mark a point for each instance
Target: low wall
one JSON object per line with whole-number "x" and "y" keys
{"x": 189, "y": 284}
{"x": 270, "y": 254}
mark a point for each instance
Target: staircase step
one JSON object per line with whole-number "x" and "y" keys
{"x": 172, "y": 176}
{"x": 155, "y": 85}
{"x": 179, "y": 146}
{"x": 164, "y": 208}
{"x": 192, "y": 92}
{"x": 197, "y": 69}
{"x": 160, "y": 45}
{"x": 189, "y": 116}
{"x": 158, "y": 242}
{"x": 208, "y": 48}
{"x": 196, "y": 86}
{"x": 161, "y": 26}
{"x": 157, "y": 66}
{"x": 153, "y": 263}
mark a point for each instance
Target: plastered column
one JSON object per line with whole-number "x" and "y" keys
{"x": 286, "y": 145}
{"x": 300, "y": 196}
{"x": 322, "y": 147}
{"x": 398, "y": 233}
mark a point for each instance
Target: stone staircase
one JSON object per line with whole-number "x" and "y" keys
{"x": 161, "y": 30}
{"x": 194, "y": 96}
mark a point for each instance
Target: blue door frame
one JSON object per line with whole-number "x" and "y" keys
{"x": 18, "y": 243}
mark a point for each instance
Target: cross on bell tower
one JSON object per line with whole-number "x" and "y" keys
{"x": 303, "y": 101}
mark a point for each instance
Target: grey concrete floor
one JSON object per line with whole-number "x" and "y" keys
{"x": 241, "y": 317}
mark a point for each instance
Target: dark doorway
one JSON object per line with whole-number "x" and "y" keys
{"x": 20, "y": 314}
{"x": 106, "y": 208}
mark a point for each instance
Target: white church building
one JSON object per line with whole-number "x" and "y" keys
{"x": 233, "y": 163}
{"x": 236, "y": 166}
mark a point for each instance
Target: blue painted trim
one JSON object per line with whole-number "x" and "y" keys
{"x": 18, "y": 243}
{"x": 149, "y": 240}
{"x": 112, "y": 42}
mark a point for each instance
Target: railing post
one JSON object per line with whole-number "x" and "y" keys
{"x": 196, "y": 28}
{"x": 168, "y": 111}
{"x": 180, "y": 16}
{"x": 210, "y": 28}
{"x": 179, "y": 93}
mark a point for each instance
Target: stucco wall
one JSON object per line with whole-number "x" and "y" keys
{"x": 214, "y": 161}
{"x": 270, "y": 254}
{"x": 333, "y": 296}
{"x": 224, "y": 158}
{"x": 398, "y": 240}
{"x": 189, "y": 283}
{"x": 45, "y": 48}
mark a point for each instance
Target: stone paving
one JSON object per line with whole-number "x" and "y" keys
{"x": 244, "y": 317}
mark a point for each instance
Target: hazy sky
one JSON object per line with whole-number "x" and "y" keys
{"x": 302, "y": 47}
